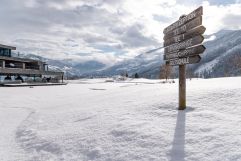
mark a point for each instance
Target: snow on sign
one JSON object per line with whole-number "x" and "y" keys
{"x": 182, "y": 42}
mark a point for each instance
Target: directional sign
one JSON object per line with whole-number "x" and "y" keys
{"x": 179, "y": 38}
{"x": 185, "y": 44}
{"x": 196, "y": 13}
{"x": 183, "y": 61}
{"x": 185, "y": 53}
{"x": 182, "y": 43}
{"x": 184, "y": 28}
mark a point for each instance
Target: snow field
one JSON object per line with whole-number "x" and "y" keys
{"x": 131, "y": 120}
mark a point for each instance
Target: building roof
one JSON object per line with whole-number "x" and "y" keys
{"x": 28, "y": 72}
{"x": 19, "y": 59}
{"x": 7, "y": 47}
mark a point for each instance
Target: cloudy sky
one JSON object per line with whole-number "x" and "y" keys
{"x": 103, "y": 30}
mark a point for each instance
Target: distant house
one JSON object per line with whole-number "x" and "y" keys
{"x": 20, "y": 68}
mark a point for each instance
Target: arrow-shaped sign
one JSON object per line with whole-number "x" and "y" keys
{"x": 185, "y": 44}
{"x": 196, "y": 50}
{"x": 179, "y": 38}
{"x": 184, "y": 28}
{"x": 182, "y": 61}
{"x": 196, "y": 13}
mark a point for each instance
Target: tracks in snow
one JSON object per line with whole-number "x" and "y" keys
{"x": 38, "y": 148}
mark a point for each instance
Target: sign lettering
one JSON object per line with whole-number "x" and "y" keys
{"x": 183, "y": 61}
{"x": 186, "y": 27}
{"x": 192, "y": 15}
{"x": 185, "y": 44}
{"x": 179, "y": 38}
{"x": 185, "y": 53}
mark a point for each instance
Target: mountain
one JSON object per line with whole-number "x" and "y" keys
{"x": 146, "y": 65}
{"x": 75, "y": 69}
{"x": 222, "y": 57}
{"x": 70, "y": 67}
{"x": 218, "y": 60}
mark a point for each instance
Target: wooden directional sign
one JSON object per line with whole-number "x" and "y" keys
{"x": 183, "y": 61}
{"x": 184, "y": 28}
{"x": 196, "y": 50}
{"x": 185, "y": 44}
{"x": 182, "y": 42}
{"x": 179, "y": 38}
{"x": 196, "y": 13}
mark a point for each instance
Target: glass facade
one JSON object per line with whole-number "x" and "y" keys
{"x": 5, "y": 52}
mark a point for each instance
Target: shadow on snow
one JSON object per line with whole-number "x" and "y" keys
{"x": 178, "y": 147}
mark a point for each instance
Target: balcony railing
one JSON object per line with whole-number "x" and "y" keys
{"x": 14, "y": 66}
{"x": 20, "y": 66}
{"x": 32, "y": 67}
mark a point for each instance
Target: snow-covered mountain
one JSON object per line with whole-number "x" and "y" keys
{"x": 76, "y": 69}
{"x": 146, "y": 65}
{"x": 70, "y": 67}
{"x": 219, "y": 59}
{"x": 221, "y": 55}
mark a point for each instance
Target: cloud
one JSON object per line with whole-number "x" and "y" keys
{"x": 103, "y": 30}
{"x": 133, "y": 37}
{"x": 217, "y": 17}
{"x": 232, "y": 19}
{"x": 161, "y": 18}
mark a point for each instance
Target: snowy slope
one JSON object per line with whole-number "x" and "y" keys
{"x": 146, "y": 64}
{"x": 130, "y": 120}
{"x": 216, "y": 60}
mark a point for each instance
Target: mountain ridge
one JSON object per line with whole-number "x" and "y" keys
{"x": 220, "y": 51}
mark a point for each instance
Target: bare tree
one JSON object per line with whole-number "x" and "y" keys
{"x": 165, "y": 71}
{"x": 237, "y": 61}
{"x": 136, "y": 75}
{"x": 226, "y": 71}
{"x": 190, "y": 73}
{"x": 124, "y": 74}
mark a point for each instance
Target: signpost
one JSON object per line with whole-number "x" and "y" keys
{"x": 182, "y": 42}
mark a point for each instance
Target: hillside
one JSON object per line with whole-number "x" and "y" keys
{"x": 216, "y": 60}
{"x": 219, "y": 58}
{"x": 147, "y": 65}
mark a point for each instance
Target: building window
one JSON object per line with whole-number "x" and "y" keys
{"x": 5, "y": 52}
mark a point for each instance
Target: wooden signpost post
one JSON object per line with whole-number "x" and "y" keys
{"x": 182, "y": 42}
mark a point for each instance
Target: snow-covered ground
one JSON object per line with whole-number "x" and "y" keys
{"x": 134, "y": 120}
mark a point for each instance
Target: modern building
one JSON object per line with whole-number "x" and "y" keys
{"x": 19, "y": 68}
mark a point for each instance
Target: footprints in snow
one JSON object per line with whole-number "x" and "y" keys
{"x": 38, "y": 147}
